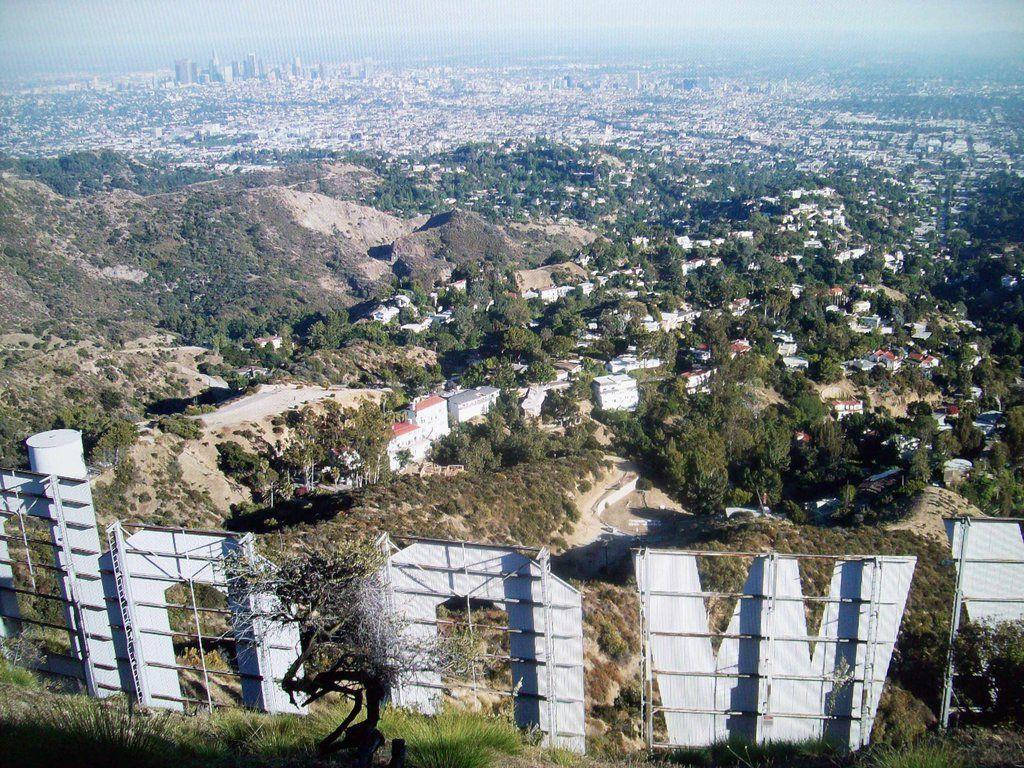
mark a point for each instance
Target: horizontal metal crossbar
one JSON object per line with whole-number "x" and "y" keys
{"x": 50, "y": 596}
{"x": 751, "y": 713}
{"x": 480, "y": 688}
{"x": 228, "y": 639}
{"x": 46, "y": 543}
{"x": 1011, "y": 600}
{"x": 792, "y": 555}
{"x": 175, "y": 529}
{"x": 757, "y": 676}
{"x": 519, "y": 548}
{"x": 776, "y": 598}
{"x": 494, "y": 627}
{"x": 459, "y": 570}
{"x": 515, "y": 600}
{"x": 748, "y": 636}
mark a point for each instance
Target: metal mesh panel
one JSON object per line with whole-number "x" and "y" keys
{"x": 48, "y": 533}
{"x": 141, "y": 569}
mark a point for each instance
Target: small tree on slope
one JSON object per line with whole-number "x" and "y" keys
{"x": 354, "y": 643}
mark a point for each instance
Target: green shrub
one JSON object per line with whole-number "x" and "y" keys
{"x": 989, "y": 660}
{"x": 181, "y": 426}
{"x": 17, "y": 677}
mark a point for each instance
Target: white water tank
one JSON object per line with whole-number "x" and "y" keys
{"x": 57, "y": 452}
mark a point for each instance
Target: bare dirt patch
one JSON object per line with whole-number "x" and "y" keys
{"x": 541, "y": 277}
{"x": 273, "y": 399}
{"x": 928, "y": 509}
{"x": 364, "y": 226}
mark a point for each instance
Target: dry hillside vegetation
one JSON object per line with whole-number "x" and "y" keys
{"x": 231, "y": 248}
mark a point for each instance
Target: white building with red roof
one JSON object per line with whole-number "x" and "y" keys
{"x": 426, "y": 421}
{"x": 924, "y": 360}
{"x": 408, "y": 444}
{"x": 430, "y": 413}
{"x": 887, "y": 359}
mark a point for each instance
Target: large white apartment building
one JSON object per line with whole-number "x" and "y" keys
{"x": 616, "y": 392}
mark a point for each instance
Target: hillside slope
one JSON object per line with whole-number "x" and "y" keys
{"x": 236, "y": 253}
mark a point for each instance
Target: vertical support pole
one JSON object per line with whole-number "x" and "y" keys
{"x": 469, "y": 611}
{"x": 21, "y": 524}
{"x": 199, "y": 633}
{"x": 763, "y": 722}
{"x": 544, "y": 558}
{"x": 867, "y": 687}
{"x": 70, "y": 579}
{"x": 384, "y": 542}
{"x": 962, "y": 527}
{"x": 126, "y": 604}
{"x": 256, "y": 632}
{"x": 647, "y": 690}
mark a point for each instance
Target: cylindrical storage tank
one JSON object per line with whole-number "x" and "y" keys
{"x": 57, "y": 452}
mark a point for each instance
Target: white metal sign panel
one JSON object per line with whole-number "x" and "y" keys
{"x": 989, "y": 553}
{"x": 545, "y": 627}
{"x": 68, "y": 557}
{"x": 149, "y": 563}
{"x": 771, "y": 679}
{"x": 989, "y": 558}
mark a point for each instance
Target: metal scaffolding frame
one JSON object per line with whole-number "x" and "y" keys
{"x": 64, "y": 507}
{"x": 764, "y": 682}
{"x": 546, "y": 661}
{"x": 989, "y": 557}
{"x": 140, "y": 568}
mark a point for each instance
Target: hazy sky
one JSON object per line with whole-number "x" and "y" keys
{"x": 64, "y": 35}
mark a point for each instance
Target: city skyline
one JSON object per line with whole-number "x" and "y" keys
{"x": 83, "y": 35}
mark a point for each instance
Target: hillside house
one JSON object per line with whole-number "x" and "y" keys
{"x": 470, "y": 404}
{"x": 616, "y": 392}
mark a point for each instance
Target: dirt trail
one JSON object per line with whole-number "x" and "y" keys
{"x": 590, "y": 526}
{"x": 272, "y": 399}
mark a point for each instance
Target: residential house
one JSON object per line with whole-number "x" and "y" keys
{"x": 471, "y": 403}
{"x": 408, "y": 444}
{"x": 697, "y": 379}
{"x": 430, "y": 413}
{"x": 844, "y": 408}
{"x": 627, "y": 363}
{"x": 616, "y": 392}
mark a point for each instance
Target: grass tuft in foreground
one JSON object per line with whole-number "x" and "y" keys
{"x": 922, "y": 755}
{"x": 738, "y": 752}
{"x": 453, "y": 739}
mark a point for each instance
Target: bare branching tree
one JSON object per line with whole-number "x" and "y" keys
{"x": 354, "y": 643}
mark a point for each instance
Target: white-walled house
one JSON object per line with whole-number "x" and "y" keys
{"x": 616, "y": 392}
{"x": 426, "y": 421}
{"x": 843, "y": 408}
{"x": 471, "y": 403}
{"x": 430, "y": 413}
{"x": 385, "y": 313}
{"x": 697, "y": 379}
{"x": 406, "y": 436}
{"x": 627, "y": 363}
